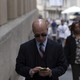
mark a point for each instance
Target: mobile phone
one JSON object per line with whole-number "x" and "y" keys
{"x": 43, "y": 69}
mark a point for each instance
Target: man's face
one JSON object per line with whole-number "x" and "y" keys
{"x": 40, "y": 32}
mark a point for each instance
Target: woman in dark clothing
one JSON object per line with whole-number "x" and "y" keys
{"x": 72, "y": 50}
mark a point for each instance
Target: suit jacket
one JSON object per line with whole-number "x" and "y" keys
{"x": 70, "y": 49}
{"x": 29, "y": 57}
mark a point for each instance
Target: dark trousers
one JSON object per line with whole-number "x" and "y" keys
{"x": 76, "y": 71}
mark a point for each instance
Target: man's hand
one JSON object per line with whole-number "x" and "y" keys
{"x": 34, "y": 70}
{"x": 45, "y": 72}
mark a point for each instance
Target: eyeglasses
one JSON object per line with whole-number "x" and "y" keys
{"x": 42, "y": 34}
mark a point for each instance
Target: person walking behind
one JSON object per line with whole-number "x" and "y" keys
{"x": 62, "y": 32}
{"x": 54, "y": 26}
{"x": 72, "y": 50}
{"x": 41, "y": 58}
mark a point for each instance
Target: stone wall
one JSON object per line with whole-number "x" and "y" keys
{"x": 16, "y": 17}
{"x": 12, "y": 9}
{"x": 11, "y": 36}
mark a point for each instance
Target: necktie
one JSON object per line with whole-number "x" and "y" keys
{"x": 41, "y": 49}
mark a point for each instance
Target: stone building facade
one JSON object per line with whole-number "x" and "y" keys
{"x": 54, "y": 11}
{"x": 16, "y": 17}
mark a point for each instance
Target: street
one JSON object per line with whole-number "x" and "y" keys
{"x": 67, "y": 75}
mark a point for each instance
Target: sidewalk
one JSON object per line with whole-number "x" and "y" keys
{"x": 67, "y": 75}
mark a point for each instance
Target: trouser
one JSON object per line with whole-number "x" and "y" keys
{"x": 61, "y": 41}
{"x": 76, "y": 71}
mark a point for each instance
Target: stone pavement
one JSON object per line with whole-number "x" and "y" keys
{"x": 67, "y": 75}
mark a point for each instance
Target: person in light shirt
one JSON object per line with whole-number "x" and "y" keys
{"x": 62, "y": 32}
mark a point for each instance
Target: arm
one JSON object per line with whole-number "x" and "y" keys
{"x": 67, "y": 50}
{"x": 61, "y": 64}
{"x": 21, "y": 67}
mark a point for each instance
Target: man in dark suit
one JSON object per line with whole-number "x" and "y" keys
{"x": 41, "y": 58}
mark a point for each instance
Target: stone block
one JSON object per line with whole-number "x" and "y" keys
{"x": 3, "y": 11}
{"x": 20, "y": 6}
{"x": 12, "y": 9}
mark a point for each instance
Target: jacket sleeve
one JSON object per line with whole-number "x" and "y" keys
{"x": 21, "y": 67}
{"x": 67, "y": 50}
{"x": 61, "y": 64}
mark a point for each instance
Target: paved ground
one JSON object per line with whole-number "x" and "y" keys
{"x": 67, "y": 75}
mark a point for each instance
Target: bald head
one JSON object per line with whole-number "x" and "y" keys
{"x": 39, "y": 24}
{"x": 40, "y": 29}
